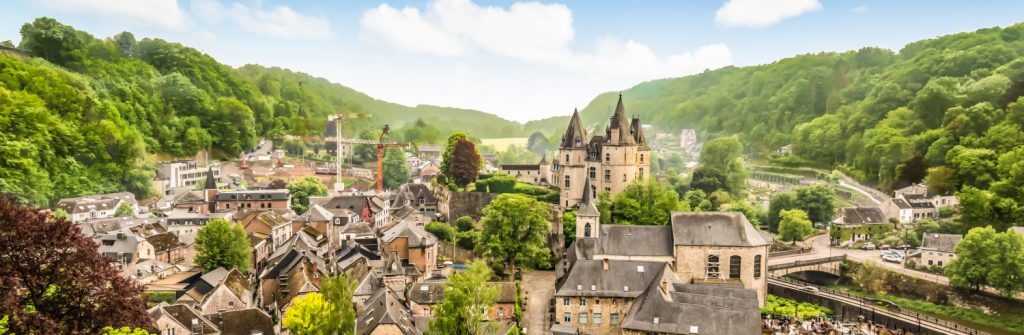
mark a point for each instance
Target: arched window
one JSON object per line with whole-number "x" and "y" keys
{"x": 712, "y": 267}
{"x": 567, "y": 181}
{"x": 735, "y": 262}
{"x": 757, "y": 267}
{"x": 586, "y": 230}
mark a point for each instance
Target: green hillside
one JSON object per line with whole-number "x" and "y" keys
{"x": 80, "y": 114}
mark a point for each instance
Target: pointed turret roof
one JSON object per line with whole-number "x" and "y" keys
{"x": 211, "y": 184}
{"x": 638, "y": 132}
{"x": 620, "y": 123}
{"x": 587, "y": 206}
{"x": 543, "y": 159}
{"x": 574, "y": 136}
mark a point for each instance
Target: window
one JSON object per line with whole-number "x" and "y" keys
{"x": 929, "y": 262}
{"x": 607, "y": 157}
{"x": 757, "y": 267}
{"x": 565, "y": 301}
{"x": 593, "y": 173}
{"x": 734, "y": 266}
{"x": 641, "y": 158}
{"x": 940, "y": 263}
{"x": 567, "y": 159}
{"x": 501, "y": 311}
{"x": 567, "y": 181}
{"x": 615, "y": 319}
{"x": 607, "y": 175}
{"x": 623, "y": 177}
{"x": 586, "y": 230}
{"x": 583, "y": 318}
{"x": 597, "y": 319}
{"x": 597, "y": 301}
{"x": 641, "y": 175}
{"x": 567, "y": 318}
{"x": 583, "y": 301}
{"x": 712, "y": 267}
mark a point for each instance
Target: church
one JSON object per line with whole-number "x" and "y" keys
{"x": 610, "y": 162}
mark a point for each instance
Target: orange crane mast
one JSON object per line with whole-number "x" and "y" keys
{"x": 380, "y": 152}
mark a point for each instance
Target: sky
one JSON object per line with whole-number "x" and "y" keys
{"x": 519, "y": 60}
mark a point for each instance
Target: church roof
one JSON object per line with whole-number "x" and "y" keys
{"x": 574, "y": 136}
{"x": 620, "y": 123}
{"x": 714, "y": 229}
{"x": 638, "y": 131}
{"x": 587, "y": 207}
{"x": 211, "y": 184}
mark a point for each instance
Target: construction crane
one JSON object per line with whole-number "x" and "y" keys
{"x": 380, "y": 151}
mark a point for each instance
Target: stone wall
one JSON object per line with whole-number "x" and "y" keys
{"x": 468, "y": 204}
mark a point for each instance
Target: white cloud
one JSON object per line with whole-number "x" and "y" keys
{"x": 157, "y": 13}
{"x": 860, "y": 9}
{"x": 531, "y": 32}
{"x": 278, "y": 21}
{"x": 762, "y": 13}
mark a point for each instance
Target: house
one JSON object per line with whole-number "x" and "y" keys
{"x": 182, "y": 174}
{"x": 671, "y": 307}
{"x": 424, "y": 297}
{"x": 98, "y": 206}
{"x": 356, "y": 203}
{"x": 854, "y": 224}
{"x": 417, "y": 196}
{"x": 168, "y": 248}
{"x": 610, "y": 161}
{"x": 124, "y": 249}
{"x": 181, "y": 319}
{"x": 429, "y": 152}
{"x": 267, "y": 223}
{"x": 218, "y": 291}
{"x": 913, "y": 203}
{"x": 384, "y": 313}
{"x": 248, "y": 321}
{"x": 148, "y": 271}
{"x": 265, "y": 199}
{"x": 536, "y": 174}
{"x": 413, "y": 245}
{"x": 938, "y": 249}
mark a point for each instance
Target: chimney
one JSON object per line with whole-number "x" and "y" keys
{"x": 423, "y": 241}
{"x": 604, "y": 264}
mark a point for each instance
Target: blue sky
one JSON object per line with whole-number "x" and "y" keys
{"x": 520, "y": 60}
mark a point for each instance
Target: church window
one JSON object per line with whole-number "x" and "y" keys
{"x": 757, "y": 266}
{"x": 735, "y": 263}
{"x": 712, "y": 267}
{"x": 586, "y": 230}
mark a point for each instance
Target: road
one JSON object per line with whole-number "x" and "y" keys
{"x": 540, "y": 288}
{"x": 822, "y": 250}
{"x": 909, "y": 317}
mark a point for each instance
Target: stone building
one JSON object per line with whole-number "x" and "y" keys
{"x": 536, "y": 174}
{"x": 610, "y": 162}
{"x": 938, "y": 249}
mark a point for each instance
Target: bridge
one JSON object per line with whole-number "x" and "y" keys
{"x": 848, "y": 306}
{"x": 831, "y": 265}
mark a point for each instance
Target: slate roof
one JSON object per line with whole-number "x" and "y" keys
{"x": 253, "y": 195}
{"x": 621, "y": 124}
{"x": 638, "y": 132}
{"x": 410, "y": 193}
{"x": 588, "y": 278}
{"x": 427, "y": 293}
{"x": 574, "y": 137}
{"x": 689, "y": 309}
{"x": 98, "y": 202}
{"x": 243, "y": 322}
{"x": 416, "y": 235}
{"x": 724, "y": 229}
{"x": 164, "y": 241}
{"x": 112, "y": 244}
{"x": 370, "y": 284}
{"x": 628, "y": 240}
{"x": 862, "y": 215}
{"x": 918, "y": 201}
{"x": 520, "y": 167}
{"x": 385, "y": 308}
{"x": 262, "y": 221}
{"x": 902, "y": 204}
{"x": 184, "y": 315}
{"x": 428, "y": 148}
{"x": 353, "y": 203}
{"x": 940, "y": 242}
{"x": 393, "y": 265}
{"x": 587, "y": 206}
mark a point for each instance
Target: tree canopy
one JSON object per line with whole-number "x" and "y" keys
{"x": 465, "y": 163}
{"x": 467, "y": 302}
{"x": 989, "y": 258}
{"x": 515, "y": 232}
{"x": 646, "y": 203}
{"x": 304, "y": 188}
{"x": 794, "y": 225}
{"x": 396, "y": 170}
{"x": 221, "y": 244}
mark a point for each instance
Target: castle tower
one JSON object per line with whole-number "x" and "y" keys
{"x": 588, "y": 217}
{"x": 210, "y": 190}
{"x": 545, "y": 169}
{"x": 572, "y": 156}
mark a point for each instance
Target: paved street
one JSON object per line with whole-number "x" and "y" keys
{"x": 822, "y": 249}
{"x": 540, "y": 288}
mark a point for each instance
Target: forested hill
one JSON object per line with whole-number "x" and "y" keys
{"x": 80, "y": 114}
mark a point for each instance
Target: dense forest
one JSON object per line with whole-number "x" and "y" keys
{"x": 80, "y": 114}
{"x": 946, "y": 111}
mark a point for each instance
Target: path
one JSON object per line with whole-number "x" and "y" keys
{"x": 540, "y": 289}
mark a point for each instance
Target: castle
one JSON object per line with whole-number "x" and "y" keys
{"x": 609, "y": 162}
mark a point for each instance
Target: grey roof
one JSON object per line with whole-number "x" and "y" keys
{"x": 638, "y": 132}
{"x": 253, "y": 195}
{"x": 574, "y": 137}
{"x": 428, "y": 148}
{"x": 427, "y": 293}
{"x": 628, "y": 240}
{"x": 370, "y": 284}
{"x": 560, "y": 329}
{"x": 184, "y": 315}
{"x": 94, "y": 202}
{"x": 383, "y": 308}
{"x": 110, "y": 245}
{"x": 393, "y": 265}
{"x": 243, "y": 322}
{"x": 416, "y": 235}
{"x": 940, "y": 242}
{"x": 621, "y": 124}
{"x": 862, "y": 215}
{"x": 588, "y": 278}
{"x": 902, "y": 204}
{"x": 714, "y": 229}
{"x": 354, "y": 203}
{"x": 918, "y": 201}
{"x": 711, "y": 311}
{"x": 410, "y": 193}
{"x": 587, "y": 206}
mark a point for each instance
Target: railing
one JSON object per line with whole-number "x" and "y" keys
{"x": 894, "y": 309}
{"x": 817, "y": 261}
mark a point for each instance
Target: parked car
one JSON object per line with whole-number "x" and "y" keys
{"x": 884, "y": 247}
{"x": 892, "y": 258}
{"x": 809, "y": 288}
{"x": 868, "y": 246}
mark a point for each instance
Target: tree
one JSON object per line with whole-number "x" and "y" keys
{"x": 442, "y": 230}
{"x": 52, "y": 280}
{"x": 569, "y": 225}
{"x": 465, "y": 163}
{"x": 779, "y": 202}
{"x": 645, "y": 203}
{"x": 515, "y": 232}
{"x": 940, "y": 180}
{"x": 1007, "y": 272}
{"x": 697, "y": 200}
{"x": 816, "y": 200}
{"x": 465, "y": 223}
{"x": 220, "y": 244}
{"x": 301, "y": 190}
{"x": 396, "y": 171}
{"x": 337, "y": 290}
{"x": 708, "y": 180}
{"x": 725, "y": 155}
{"x": 753, "y": 213}
{"x": 124, "y": 210}
{"x": 468, "y": 299}
{"x": 794, "y": 225}
{"x": 53, "y": 41}
{"x": 119, "y": 331}
{"x": 311, "y": 314}
{"x": 974, "y": 259}
{"x": 449, "y": 150}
